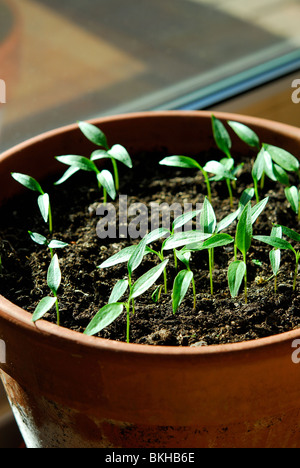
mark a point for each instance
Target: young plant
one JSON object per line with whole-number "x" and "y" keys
{"x": 183, "y": 281}
{"x": 116, "y": 153}
{"x": 293, "y": 197}
{"x": 283, "y": 244}
{"x": 53, "y": 281}
{"x": 188, "y": 163}
{"x": 275, "y": 255}
{"x": 104, "y": 178}
{"x": 224, "y": 143}
{"x": 238, "y": 269}
{"x": 223, "y": 170}
{"x": 271, "y": 160}
{"x": 266, "y": 165}
{"x": 114, "y": 308}
{"x": 43, "y": 199}
{"x": 51, "y": 245}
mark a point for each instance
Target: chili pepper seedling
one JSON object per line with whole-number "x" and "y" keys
{"x": 43, "y": 199}
{"x": 275, "y": 255}
{"x": 53, "y": 281}
{"x": 182, "y": 281}
{"x": 283, "y": 244}
{"x": 187, "y": 163}
{"x": 238, "y": 269}
{"x": 51, "y": 245}
{"x": 104, "y": 178}
{"x": 271, "y": 160}
{"x": 113, "y": 310}
{"x": 293, "y": 197}
{"x": 117, "y": 153}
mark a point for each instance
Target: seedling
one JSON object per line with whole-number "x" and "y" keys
{"x": 188, "y": 163}
{"x": 43, "y": 199}
{"x": 53, "y": 281}
{"x": 104, "y": 178}
{"x": 283, "y": 244}
{"x": 275, "y": 255}
{"x": 271, "y": 160}
{"x": 182, "y": 281}
{"x": 116, "y": 153}
{"x": 209, "y": 226}
{"x": 223, "y": 170}
{"x": 113, "y": 310}
{"x": 51, "y": 245}
{"x": 293, "y": 197}
{"x": 238, "y": 269}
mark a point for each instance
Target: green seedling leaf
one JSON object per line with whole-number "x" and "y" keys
{"x": 219, "y": 169}
{"x": 181, "y": 239}
{"x": 289, "y": 232}
{"x": 244, "y": 230}
{"x": 56, "y": 244}
{"x": 236, "y": 274}
{"x": 183, "y": 219}
{"x": 208, "y": 219}
{"x": 282, "y": 157}
{"x": 137, "y": 256}
{"x": 99, "y": 154}
{"x": 217, "y": 240}
{"x": 259, "y": 166}
{"x": 227, "y": 221}
{"x": 38, "y": 238}
{"x": 106, "y": 315}
{"x": 245, "y": 133}
{"x": 275, "y": 254}
{"x": 44, "y": 203}
{"x": 80, "y": 162}
{"x": 120, "y": 257}
{"x": 180, "y": 161}
{"x": 54, "y": 275}
{"x": 147, "y": 280}
{"x": 119, "y": 153}
{"x": 292, "y": 196}
{"x": 155, "y": 235}
{"x": 281, "y": 175}
{"x": 181, "y": 285}
{"x": 184, "y": 256}
{"x": 107, "y": 181}
{"x": 43, "y": 307}
{"x": 69, "y": 172}
{"x": 257, "y": 209}
{"x": 275, "y": 242}
{"x": 93, "y": 133}
{"x": 28, "y": 182}
{"x": 118, "y": 291}
{"x": 221, "y": 136}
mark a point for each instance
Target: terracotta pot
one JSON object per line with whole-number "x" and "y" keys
{"x": 70, "y": 390}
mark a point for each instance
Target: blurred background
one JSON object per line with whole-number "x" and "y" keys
{"x": 70, "y": 60}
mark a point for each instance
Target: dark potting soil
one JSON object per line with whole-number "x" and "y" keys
{"x": 85, "y": 288}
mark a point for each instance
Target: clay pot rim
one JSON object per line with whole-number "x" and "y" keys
{"x": 19, "y": 317}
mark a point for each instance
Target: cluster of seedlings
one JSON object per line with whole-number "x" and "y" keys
{"x": 272, "y": 162}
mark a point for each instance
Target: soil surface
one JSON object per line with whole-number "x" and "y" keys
{"x": 85, "y": 288}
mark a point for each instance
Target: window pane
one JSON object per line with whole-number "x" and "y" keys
{"x": 67, "y": 60}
